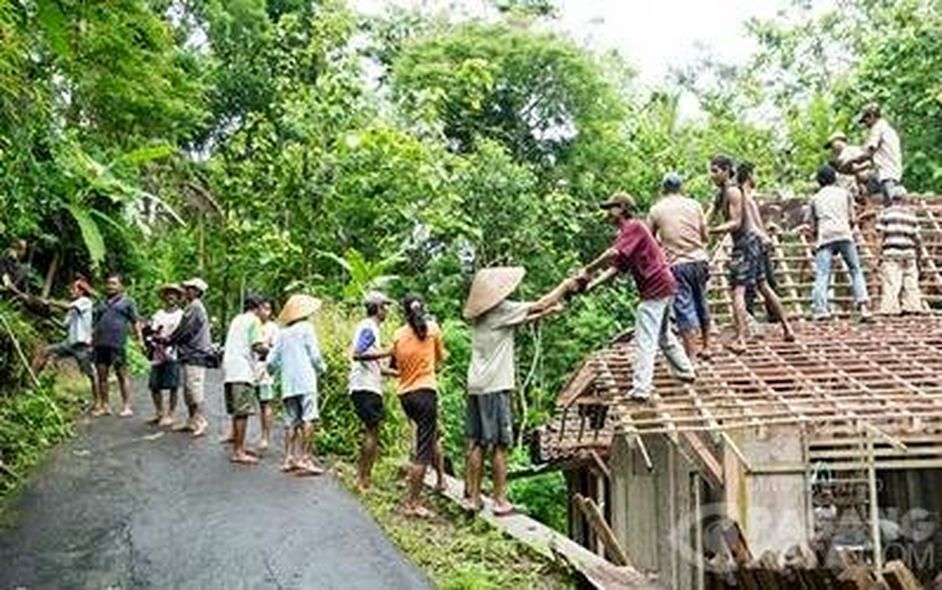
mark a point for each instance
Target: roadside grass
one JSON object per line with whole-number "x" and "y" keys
{"x": 456, "y": 550}
{"x": 33, "y": 421}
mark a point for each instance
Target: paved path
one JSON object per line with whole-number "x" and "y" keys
{"x": 120, "y": 508}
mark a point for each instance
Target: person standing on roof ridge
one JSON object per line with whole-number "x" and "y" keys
{"x": 745, "y": 263}
{"x": 832, "y": 219}
{"x": 678, "y": 222}
{"x": 492, "y": 373}
{"x": 883, "y": 148}
{"x": 635, "y": 251}
{"x": 900, "y": 250}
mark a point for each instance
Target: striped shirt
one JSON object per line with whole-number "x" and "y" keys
{"x": 899, "y": 229}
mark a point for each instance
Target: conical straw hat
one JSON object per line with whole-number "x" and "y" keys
{"x": 297, "y": 308}
{"x": 491, "y": 286}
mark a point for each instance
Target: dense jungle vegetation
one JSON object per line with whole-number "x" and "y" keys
{"x": 278, "y": 146}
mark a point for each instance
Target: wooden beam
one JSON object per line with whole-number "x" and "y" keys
{"x": 710, "y": 465}
{"x": 603, "y": 532}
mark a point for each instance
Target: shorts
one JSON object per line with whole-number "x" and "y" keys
{"x": 745, "y": 262}
{"x": 109, "y": 356}
{"x": 265, "y": 392}
{"x": 421, "y": 406}
{"x": 300, "y": 409}
{"x": 81, "y": 352}
{"x": 240, "y": 399}
{"x": 691, "y": 309}
{"x": 194, "y": 384}
{"x": 369, "y": 407}
{"x": 488, "y": 419}
{"x": 164, "y": 376}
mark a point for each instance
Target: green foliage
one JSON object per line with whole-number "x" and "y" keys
{"x": 457, "y": 551}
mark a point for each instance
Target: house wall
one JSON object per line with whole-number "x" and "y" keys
{"x": 770, "y": 508}
{"x": 651, "y": 510}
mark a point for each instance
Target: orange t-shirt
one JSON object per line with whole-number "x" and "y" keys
{"x": 416, "y": 359}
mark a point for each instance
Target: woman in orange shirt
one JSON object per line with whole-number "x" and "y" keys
{"x": 417, "y": 352}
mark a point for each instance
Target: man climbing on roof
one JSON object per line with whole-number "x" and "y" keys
{"x": 833, "y": 220}
{"x": 680, "y": 226}
{"x": 853, "y": 173}
{"x": 635, "y": 251}
{"x": 745, "y": 264}
{"x": 883, "y": 148}
{"x": 492, "y": 373}
{"x": 900, "y": 247}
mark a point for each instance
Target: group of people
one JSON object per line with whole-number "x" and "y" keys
{"x": 665, "y": 252}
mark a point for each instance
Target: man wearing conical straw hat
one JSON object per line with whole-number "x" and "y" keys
{"x": 491, "y": 374}
{"x": 297, "y": 359}
{"x": 635, "y": 251}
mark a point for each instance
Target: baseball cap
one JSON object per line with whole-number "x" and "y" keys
{"x": 196, "y": 283}
{"x": 376, "y": 298}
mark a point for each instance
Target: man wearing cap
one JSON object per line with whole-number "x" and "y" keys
{"x": 745, "y": 264}
{"x": 114, "y": 318}
{"x": 900, "y": 247}
{"x": 845, "y": 159}
{"x": 883, "y": 147}
{"x": 635, "y": 251}
{"x": 365, "y": 382}
{"x": 243, "y": 341}
{"x": 492, "y": 372}
{"x": 78, "y": 341}
{"x": 195, "y": 352}
{"x": 164, "y": 368}
{"x": 680, "y": 226}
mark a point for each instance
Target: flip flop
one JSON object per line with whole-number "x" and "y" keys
{"x": 288, "y": 466}
{"x": 246, "y": 460}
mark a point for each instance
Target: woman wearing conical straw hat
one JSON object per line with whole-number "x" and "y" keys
{"x": 297, "y": 359}
{"x": 492, "y": 374}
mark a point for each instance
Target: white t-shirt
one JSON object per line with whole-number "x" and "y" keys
{"x": 238, "y": 361}
{"x": 366, "y": 375}
{"x": 164, "y": 323}
{"x": 492, "y": 348}
{"x": 832, "y": 207}
{"x": 269, "y": 336}
{"x": 888, "y": 156}
{"x": 79, "y": 321}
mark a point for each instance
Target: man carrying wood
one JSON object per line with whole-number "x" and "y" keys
{"x": 635, "y": 251}
{"x": 883, "y": 148}
{"x": 492, "y": 373}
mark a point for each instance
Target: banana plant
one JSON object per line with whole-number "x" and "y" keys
{"x": 363, "y": 274}
{"x": 91, "y": 178}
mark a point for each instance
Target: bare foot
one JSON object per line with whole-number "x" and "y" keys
{"x": 165, "y": 421}
{"x": 262, "y": 446}
{"x": 289, "y": 465}
{"x": 126, "y": 412}
{"x": 200, "y": 429}
{"x": 736, "y": 347}
{"x": 243, "y": 458}
{"x": 183, "y": 427}
{"x": 97, "y": 411}
{"x": 417, "y": 512}
{"x": 307, "y": 467}
{"x": 503, "y": 508}
{"x": 470, "y": 506}
{"x": 363, "y": 486}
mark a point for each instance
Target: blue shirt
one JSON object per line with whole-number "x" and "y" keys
{"x": 297, "y": 359}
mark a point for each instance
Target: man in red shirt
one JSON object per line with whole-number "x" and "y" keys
{"x": 635, "y": 251}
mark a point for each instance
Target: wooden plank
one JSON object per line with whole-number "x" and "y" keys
{"x": 710, "y": 465}
{"x": 899, "y": 577}
{"x": 602, "y": 531}
{"x": 553, "y": 545}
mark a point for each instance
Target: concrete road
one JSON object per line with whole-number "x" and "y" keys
{"x": 125, "y": 506}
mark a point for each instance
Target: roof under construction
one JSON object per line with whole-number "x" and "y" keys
{"x": 840, "y": 376}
